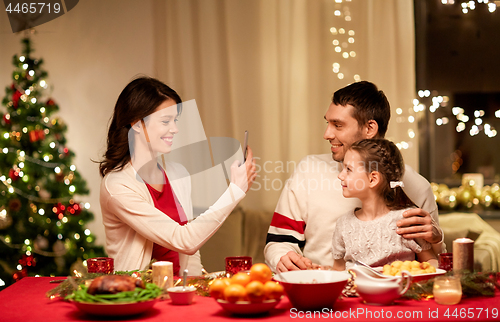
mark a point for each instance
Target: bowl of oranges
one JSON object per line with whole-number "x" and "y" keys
{"x": 251, "y": 292}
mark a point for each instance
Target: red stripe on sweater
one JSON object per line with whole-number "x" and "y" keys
{"x": 280, "y": 221}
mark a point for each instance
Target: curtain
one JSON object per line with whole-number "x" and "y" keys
{"x": 266, "y": 66}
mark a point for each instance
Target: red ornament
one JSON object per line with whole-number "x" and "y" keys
{"x": 50, "y": 102}
{"x": 27, "y": 261}
{"x": 59, "y": 210}
{"x": 20, "y": 274}
{"x": 15, "y": 204}
{"x": 36, "y": 135}
{"x": 12, "y": 86}
{"x": 15, "y": 98}
{"x": 60, "y": 176}
{"x": 74, "y": 209}
{"x": 6, "y": 118}
{"x": 13, "y": 174}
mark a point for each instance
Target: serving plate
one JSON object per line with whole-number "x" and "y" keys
{"x": 115, "y": 309}
{"x": 419, "y": 277}
{"x": 248, "y": 308}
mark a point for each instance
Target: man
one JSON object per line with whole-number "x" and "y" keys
{"x": 311, "y": 202}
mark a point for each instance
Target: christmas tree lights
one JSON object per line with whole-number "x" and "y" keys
{"x": 42, "y": 222}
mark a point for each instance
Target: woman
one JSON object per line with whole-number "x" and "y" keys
{"x": 146, "y": 204}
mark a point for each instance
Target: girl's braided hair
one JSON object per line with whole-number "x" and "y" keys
{"x": 383, "y": 156}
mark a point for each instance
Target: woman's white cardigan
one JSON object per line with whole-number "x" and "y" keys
{"x": 132, "y": 223}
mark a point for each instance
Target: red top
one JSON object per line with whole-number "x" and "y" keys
{"x": 167, "y": 202}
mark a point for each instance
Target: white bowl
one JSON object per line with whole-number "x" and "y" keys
{"x": 181, "y": 295}
{"x": 313, "y": 289}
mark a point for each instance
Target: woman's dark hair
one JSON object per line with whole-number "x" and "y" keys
{"x": 384, "y": 157}
{"x": 369, "y": 104}
{"x": 138, "y": 99}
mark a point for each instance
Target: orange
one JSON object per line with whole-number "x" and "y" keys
{"x": 235, "y": 292}
{"x": 260, "y": 272}
{"x": 217, "y": 288}
{"x": 240, "y": 278}
{"x": 273, "y": 290}
{"x": 255, "y": 291}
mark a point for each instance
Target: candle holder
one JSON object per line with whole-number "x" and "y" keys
{"x": 446, "y": 261}
{"x": 163, "y": 274}
{"x": 237, "y": 264}
{"x": 447, "y": 290}
{"x": 100, "y": 265}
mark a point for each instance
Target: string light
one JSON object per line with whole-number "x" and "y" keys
{"x": 471, "y": 5}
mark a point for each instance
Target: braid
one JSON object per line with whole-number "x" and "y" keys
{"x": 384, "y": 157}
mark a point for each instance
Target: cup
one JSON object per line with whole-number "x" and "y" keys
{"x": 447, "y": 290}
{"x": 446, "y": 261}
{"x": 100, "y": 265}
{"x": 235, "y": 264}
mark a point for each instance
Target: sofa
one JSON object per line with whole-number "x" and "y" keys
{"x": 244, "y": 234}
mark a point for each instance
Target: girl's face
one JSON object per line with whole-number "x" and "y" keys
{"x": 354, "y": 178}
{"x": 161, "y": 126}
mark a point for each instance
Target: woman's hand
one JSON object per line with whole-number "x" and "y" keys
{"x": 244, "y": 175}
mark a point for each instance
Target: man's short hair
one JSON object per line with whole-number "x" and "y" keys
{"x": 369, "y": 104}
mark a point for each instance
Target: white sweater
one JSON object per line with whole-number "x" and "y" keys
{"x": 312, "y": 201}
{"x": 132, "y": 223}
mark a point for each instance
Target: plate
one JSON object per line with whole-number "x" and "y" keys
{"x": 420, "y": 277}
{"x": 248, "y": 308}
{"x": 115, "y": 309}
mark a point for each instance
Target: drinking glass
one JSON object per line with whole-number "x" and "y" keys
{"x": 235, "y": 264}
{"x": 100, "y": 265}
{"x": 446, "y": 261}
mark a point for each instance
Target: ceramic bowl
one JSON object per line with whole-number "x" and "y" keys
{"x": 181, "y": 295}
{"x": 313, "y": 289}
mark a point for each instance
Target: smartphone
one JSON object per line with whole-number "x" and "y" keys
{"x": 245, "y": 143}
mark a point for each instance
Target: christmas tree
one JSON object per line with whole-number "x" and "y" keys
{"x": 42, "y": 222}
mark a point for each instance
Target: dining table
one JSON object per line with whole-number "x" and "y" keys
{"x": 26, "y": 301}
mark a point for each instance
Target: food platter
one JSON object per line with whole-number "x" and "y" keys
{"x": 248, "y": 308}
{"x": 419, "y": 277}
{"x": 115, "y": 309}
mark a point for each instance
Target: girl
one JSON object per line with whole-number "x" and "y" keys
{"x": 372, "y": 172}
{"x": 146, "y": 203}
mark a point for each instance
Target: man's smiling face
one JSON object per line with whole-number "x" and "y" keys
{"x": 342, "y": 129}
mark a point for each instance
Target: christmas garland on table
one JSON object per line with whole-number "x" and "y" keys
{"x": 70, "y": 285}
{"x": 473, "y": 284}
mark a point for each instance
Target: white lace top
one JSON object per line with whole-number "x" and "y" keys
{"x": 375, "y": 242}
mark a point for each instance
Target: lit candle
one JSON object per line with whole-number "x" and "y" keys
{"x": 163, "y": 274}
{"x": 463, "y": 254}
{"x": 447, "y": 290}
